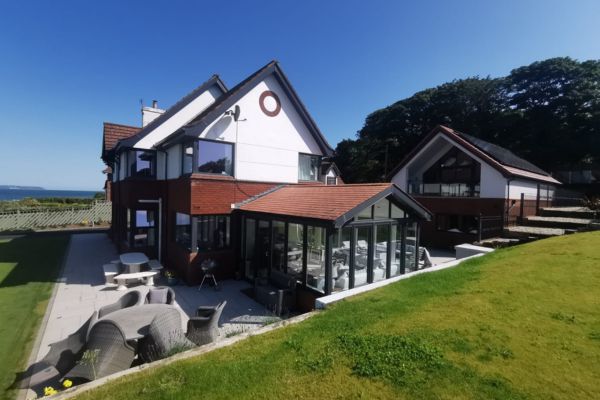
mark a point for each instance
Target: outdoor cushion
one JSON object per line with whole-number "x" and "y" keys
{"x": 158, "y": 296}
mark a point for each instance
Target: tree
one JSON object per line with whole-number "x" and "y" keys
{"x": 535, "y": 112}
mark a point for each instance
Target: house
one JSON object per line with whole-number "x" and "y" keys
{"x": 474, "y": 188}
{"x": 243, "y": 177}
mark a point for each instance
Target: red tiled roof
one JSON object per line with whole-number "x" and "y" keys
{"x": 315, "y": 201}
{"x": 112, "y": 133}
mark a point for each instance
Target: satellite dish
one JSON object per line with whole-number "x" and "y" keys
{"x": 236, "y": 113}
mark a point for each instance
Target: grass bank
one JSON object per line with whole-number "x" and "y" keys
{"x": 29, "y": 266}
{"x": 521, "y": 323}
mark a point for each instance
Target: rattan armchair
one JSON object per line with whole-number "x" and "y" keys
{"x": 204, "y": 327}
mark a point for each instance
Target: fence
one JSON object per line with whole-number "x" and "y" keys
{"x": 490, "y": 226}
{"x": 98, "y": 212}
{"x": 530, "y": 205}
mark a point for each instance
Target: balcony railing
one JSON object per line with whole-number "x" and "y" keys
{"x": 444, "y": 189}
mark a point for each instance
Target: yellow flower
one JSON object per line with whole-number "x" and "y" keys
{"x": 49, "y": 391}
{"x": 67, "y": 383}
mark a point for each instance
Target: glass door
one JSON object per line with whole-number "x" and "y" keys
{"x": 249, "y": 247}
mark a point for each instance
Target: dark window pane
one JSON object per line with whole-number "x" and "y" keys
{"x": 382, "y": 235}
{"x": 215, "y": 158}
{"x": 141, "y": 163}
{"x": 279, "y": 246}
{"x": 188, "y": 156}
{"x": 183, "y": 230}
{"x": 331, "y": 180}
{"x": 144, "y": 231}
{"x": 213, "y": 232}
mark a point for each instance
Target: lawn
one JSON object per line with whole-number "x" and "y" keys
{"x": 29, "y": 266}
{"x": 520, "y": 323}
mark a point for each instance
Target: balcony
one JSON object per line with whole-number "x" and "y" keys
{"x": 444, "y": 189}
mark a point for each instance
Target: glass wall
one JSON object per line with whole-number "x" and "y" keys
{"x": 411, "y": 247}
{"x": 340, "y": 259}
{"x": 315, "y": 258}
{"x": 249, "y": 245}
{"x": 361, "y": 255}
{"x": 295, "y": 250}
{"x": 263, "y": 255}
{"x": 382, "y": 236}
{"x": 279, "y": 246}
{"x": 396, "y": 252}
{"x": 213, "y": 232}
{"x": 215, "y": 157}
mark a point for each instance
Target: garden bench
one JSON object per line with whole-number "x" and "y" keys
{"x": 122, "y": 278}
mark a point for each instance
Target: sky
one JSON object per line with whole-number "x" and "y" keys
{"x": 68, "y": 66}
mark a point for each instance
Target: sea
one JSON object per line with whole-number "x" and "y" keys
{"x": 17, "y": 194}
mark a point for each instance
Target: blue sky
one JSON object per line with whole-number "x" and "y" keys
{"x": 65, "y": 67}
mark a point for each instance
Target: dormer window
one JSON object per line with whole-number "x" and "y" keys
{"x": 308, "y": 167}
{"x": 141, "y": 163}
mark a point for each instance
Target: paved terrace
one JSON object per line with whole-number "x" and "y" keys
{"x": 81, "y": 290}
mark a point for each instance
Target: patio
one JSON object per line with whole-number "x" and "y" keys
{"x": 81, "y": 290}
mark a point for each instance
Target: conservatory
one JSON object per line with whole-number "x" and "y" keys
{"x": 331, "y": 238}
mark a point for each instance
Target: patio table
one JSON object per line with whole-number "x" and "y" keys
{"x": 133, "y": 261}
{"x": 135, "y": 321}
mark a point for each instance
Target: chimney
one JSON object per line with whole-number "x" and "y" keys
{"x": 149, "y": 114}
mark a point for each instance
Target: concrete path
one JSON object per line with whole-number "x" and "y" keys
{"x": 81, "y": 290}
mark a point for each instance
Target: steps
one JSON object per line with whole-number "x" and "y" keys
{"x": 552, "y": 221}
{"x": 558, "y": 222}
{"x": 567, "y": 212}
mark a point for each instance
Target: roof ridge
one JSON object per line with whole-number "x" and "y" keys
{"x": 123, "y": 125}
{"x": 179, "y": 104}
{"x": 258, "y": 196}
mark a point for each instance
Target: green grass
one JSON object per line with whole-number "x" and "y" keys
{"x": 520, "y": 323}
{"x": 29, "y": 266}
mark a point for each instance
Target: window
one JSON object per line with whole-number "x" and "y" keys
{"x": 331, "y": 180}
{"x": 295, "y": 247}
{"x": 457, "y": 223}
{"x": 397, "y": 212}
{"x": 454, "y": 174}
{"x": 141, "y": 163}
{"x": 315, "y": 258}
{"x": 361, "y": 253}
{"x": 340, "y": 260}
{"x": 250, "y": 241}
{"x": 382, "y": 209}
{"x": 215, "y": 158}
{"x": 382, "y": 235}
{"x": 187, "y": 159}
{"x": 308, "y": 167}
{"x": 279, "y": 246}
{"x": 144, "y": 232}
{"x": 410, "y": 261}
{"x": 213, "y": 232}
{"x": 396, "y": 253}
{"x": 183, "y": 230}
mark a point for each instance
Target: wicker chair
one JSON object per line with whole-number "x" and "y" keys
{"x": 165, "y": 337}
{"x": 204, "y": 327}
{"x": 170, "y": 295}
{"x": 61, "y": 358}
{"x": 114, "y": 353}
{"x": 130, "y": 299}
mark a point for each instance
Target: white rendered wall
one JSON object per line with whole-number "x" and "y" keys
{"x": 518, "y": 186}
{"x": 266, "y": 147}
{"x": 185, "y": 115}
{"x": 174, "y": 161}
{"x": 492, "y": 184}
